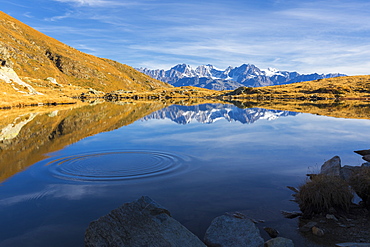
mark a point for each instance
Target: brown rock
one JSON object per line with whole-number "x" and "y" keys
{"x": 317, "y": 231}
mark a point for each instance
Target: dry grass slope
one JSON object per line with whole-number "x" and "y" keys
{"x": 33, "y": 54}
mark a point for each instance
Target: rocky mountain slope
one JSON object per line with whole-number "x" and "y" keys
{"x": 32, "y": 54}
{"x": 248, "y": 75}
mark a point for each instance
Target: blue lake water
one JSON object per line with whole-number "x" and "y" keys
{"x": 197, "y": 161}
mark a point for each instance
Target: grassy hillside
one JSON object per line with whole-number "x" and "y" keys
{"x": 35, "y": 55}
{"x": 341, "y": 88}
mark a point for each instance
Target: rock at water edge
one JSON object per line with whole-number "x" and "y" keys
{"x": 229, "y": 231}
{"x": 331, "y": 167}
{"x": 139, "y": 223}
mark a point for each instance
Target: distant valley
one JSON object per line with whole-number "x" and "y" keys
{"x": 246, "y": 75}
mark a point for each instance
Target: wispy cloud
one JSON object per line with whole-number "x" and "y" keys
{"x": 305, "y": 36}
{"x": 98, "y": 3}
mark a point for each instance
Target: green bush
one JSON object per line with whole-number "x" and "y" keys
{"x": 322, "y": 193}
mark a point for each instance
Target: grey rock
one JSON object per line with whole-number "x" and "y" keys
{"x": 52, "y": 80}
{"x": 279, "y": 242}
{"x": 353, "y": 245}
{"x": 308, "y": 226}
{"x": 291, "y": 215}
{"x": 228, "y": 231}
{"x": 139, "y": 223}
{"x": 273, "y": 233}
{"x": 331, "y": 167}
{"x": 331, "y": 217}
{"x": 367, "y": 164}
{"x": 347, "y": 171}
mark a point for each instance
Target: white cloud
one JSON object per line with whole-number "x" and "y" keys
{"x": 97, "y": 3}
{"x": 86, "y": 2}
{"x": 304, "y": 36}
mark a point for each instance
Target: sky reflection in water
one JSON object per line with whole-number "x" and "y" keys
{"x": 222, "y": 166}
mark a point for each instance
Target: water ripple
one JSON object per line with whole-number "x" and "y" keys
{"x": 117, "y": 165}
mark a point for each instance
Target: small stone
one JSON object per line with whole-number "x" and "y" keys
{"x": 367, "y": 164}
{"x": 366, "y": 158}
{"x": 279, "y": 242}
{"x": 291, "y": 215}
{"x": 308, "y": 226}
{"x": 331, "y": 217}
{"x": 317, "y": 231}
{"x": 273, "y": 233}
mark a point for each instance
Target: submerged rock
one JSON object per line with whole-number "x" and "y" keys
{"x": 273, "y": 233}
{"x": 291, "y": 215}
{"x": 139, "y": 223}
{"x": 229, "y": 231}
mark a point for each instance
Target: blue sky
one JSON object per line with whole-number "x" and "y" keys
{"x": 304, "y": 36}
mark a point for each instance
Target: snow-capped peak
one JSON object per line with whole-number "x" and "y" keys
{"x": 271, "y": 71}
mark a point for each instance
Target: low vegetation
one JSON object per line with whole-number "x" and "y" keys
{"x": 360, "y": 182}
{"x": 324, "y": 193}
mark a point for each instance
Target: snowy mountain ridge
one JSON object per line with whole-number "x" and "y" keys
{"x": 248, "y": 75}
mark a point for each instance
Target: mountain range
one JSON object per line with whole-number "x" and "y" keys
{"x": 246, "y": 75}
{"x": 210, "y": 113}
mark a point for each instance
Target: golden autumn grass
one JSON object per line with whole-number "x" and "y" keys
{"x": 343, "y": 88}
{"x": 33, "y": 54}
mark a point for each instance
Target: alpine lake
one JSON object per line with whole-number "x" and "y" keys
{"x": 61, "y": 168}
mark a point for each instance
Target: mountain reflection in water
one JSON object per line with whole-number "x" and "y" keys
{"x": 62, "y": 169}
{"x": 209, "y": 113}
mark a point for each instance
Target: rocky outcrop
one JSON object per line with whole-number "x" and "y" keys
{"x": 139, "y": 223}
{"x": 331, "y": 167}
{"x": 230, "y": 231}
{"x": 10, "y": 76}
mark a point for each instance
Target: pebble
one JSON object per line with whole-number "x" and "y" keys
{"x": 331, "y": 217}
{"x": 317, "y": 231}
{"x": 273, "y": 233}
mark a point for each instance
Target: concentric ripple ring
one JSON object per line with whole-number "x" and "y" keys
{"x": 117, "y": 165}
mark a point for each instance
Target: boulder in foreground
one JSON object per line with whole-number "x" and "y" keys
{"x": 230, "y": 231}
{"x": 139, "y": 223}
